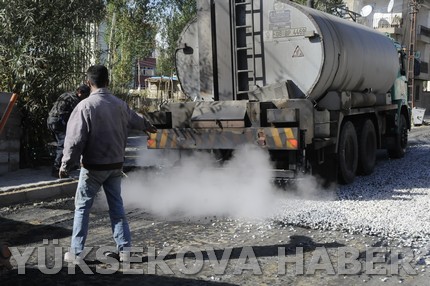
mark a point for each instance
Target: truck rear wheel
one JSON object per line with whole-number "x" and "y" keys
{"x": 367, "y": 148}
{"x": 348, "y": 153}
{"x": 399, "y": 149}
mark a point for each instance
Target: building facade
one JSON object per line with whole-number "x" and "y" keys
{"x": 408, "y": 23}
{"x": 144, "y": 69}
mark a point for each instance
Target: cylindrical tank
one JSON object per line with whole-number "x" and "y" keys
{"x": 187, "y": 66}
{"x": 320, "y": 52}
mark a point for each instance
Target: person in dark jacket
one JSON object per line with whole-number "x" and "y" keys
{"x": 96, "y": 138}
{"x": 58, "y": 117}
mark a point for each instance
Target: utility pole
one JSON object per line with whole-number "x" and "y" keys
{"x": 413, "y": 10}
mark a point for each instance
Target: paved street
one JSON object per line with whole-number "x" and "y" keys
{"x": 254, "y": 250}
{"x": 177, "y": 248}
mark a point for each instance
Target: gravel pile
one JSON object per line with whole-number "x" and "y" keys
{"x": 393, "y": 202}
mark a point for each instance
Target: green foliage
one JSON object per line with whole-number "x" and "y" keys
{"x": 44, "y": 50}
{"x": 328, "y": 6}
{"x": 173, "y": 16}
{"x": 130, "y": 35}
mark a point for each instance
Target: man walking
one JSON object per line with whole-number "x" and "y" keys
{"x": 97, "y": 131}
{"x": 58, "y": 117}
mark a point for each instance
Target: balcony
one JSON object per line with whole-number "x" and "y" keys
{"x": 423, "y": 34}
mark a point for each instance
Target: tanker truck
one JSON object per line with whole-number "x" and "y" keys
{"x": 320, "y": 93}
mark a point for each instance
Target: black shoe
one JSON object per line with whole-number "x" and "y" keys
{"x": 122, "y": 256}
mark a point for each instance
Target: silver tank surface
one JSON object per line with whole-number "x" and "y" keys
{"x": 321, "y": 52}
{"x": 187, "y": 66}
{"x": 317, "y": 51}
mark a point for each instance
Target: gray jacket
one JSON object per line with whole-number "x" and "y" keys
{"x": 97, "y": 130}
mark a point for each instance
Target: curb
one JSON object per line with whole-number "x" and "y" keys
{"x": 35, "y": 193}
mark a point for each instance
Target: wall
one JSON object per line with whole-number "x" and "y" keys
{"x": 10, "y": 137}
{"x": 147, "y": 63}
{"x": 424, "y": 101}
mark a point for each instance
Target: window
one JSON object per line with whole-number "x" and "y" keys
{"x": 417, "y": 92}
{"x": 424, "y": 67}
{"x": 424, "y": 31}
{"x": 147, "y": 71}
{"x": 426, "y": 86}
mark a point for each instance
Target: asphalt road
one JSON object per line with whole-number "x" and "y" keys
{"x": 202, "y": 250}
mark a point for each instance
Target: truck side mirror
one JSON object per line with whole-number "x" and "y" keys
{"x": 188, "y": 50}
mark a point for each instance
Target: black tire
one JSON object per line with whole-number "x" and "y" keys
{"x": 348, "y": 153}
{"x": 401, "y": 141}
{"x": 222, "y": 155}
{"x": 367, "y": 148}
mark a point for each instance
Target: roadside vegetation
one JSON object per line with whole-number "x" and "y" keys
{"x": 46, "y": 47}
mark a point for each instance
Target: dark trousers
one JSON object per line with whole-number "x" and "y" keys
{"x": 58, "y": 128}
{"x": 59, "y": 136}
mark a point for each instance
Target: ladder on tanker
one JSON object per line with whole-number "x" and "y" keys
{"x": 245, "y": 54}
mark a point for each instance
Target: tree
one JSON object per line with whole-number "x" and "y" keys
{"x": 328, "y": 6}
{"x": 173, "y": 15}
{"x": 44, "y": 50}
{"x": 131, "y": 37}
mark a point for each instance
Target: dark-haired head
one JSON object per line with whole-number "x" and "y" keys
{"x": 98, "y": 76}
{"x": 83, "y": 91}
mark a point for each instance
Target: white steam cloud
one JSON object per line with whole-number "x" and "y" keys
{"x": 242, "y": 188}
